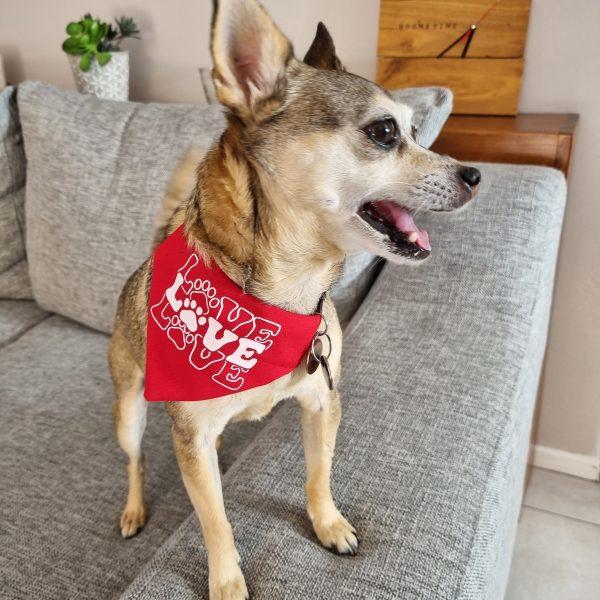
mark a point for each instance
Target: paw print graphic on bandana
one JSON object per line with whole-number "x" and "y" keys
{"x": 191, "y": 315}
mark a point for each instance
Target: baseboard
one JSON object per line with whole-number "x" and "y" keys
{"x": 578, "y": 465}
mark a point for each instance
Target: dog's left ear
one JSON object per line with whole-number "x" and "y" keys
{"x": 250, "y": 56}
{"x": 321, "y": 54}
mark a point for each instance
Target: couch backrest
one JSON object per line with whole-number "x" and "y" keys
{"x": 14, "y": 280}
{"x": 97, "y": 172}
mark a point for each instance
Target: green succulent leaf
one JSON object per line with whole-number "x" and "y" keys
{"x": 91, "y": 37}
{"x": 103, "y": 58}
{"x": 86, "y": 62}
{"x": 71, "y": 46}
{"x": 74, "y": 28}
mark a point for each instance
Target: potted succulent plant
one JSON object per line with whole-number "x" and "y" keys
{"x": 99, "y": 65}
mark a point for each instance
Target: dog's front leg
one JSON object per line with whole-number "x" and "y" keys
{"x": 320, "y": 420}
{"x": 197, "y": 457}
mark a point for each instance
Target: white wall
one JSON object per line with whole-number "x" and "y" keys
{"x": 562, "y": 73}
{"x": 175, "y": 38}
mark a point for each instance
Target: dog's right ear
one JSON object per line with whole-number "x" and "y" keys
{"x": 321, "y": 54}
{"x": 250, "y": 56}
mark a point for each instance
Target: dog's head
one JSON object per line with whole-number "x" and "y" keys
{"x": 326, "y": 141}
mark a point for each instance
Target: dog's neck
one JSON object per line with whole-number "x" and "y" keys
{"x": 247, "y": 228}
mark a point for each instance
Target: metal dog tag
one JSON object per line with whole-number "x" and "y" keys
{"x": 313, "y": 357}
{"x": 327, "y": 372}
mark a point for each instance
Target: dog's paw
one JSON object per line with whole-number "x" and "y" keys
{"x": 336, "y": 534}
{"x": 232, "y": 587}
{"x": 133, "y": 520}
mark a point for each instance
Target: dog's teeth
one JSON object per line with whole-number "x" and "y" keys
{"x": 413, "y": 237}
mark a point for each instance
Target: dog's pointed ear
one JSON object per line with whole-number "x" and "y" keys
{"x": 321, "y": 54}
{"x": 250, "y": 56}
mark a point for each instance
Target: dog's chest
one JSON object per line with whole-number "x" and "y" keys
{"x": 252, "y": 404}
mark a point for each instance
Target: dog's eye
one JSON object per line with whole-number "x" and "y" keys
{"x": 383, "y": 132}
{"x": 414, "y": 131}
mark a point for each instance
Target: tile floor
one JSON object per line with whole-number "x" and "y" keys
{"x": 557, "y": 551}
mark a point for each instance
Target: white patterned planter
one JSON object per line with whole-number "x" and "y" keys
{"x": 110, "y": 82}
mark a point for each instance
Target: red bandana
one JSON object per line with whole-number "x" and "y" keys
{"x": 207, "y": 338}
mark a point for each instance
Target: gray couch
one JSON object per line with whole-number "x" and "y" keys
{"x": 441, "y": 364}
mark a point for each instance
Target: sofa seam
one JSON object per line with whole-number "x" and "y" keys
{"x": 22, "y": 332}
{"x": 363, "y": 310}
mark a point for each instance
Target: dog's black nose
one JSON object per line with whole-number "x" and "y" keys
{"x": 470, "y": 175}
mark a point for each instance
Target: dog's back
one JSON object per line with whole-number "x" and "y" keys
{"x": 179, "y": 189}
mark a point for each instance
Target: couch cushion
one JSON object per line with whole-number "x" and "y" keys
{"x": 14, "y": 279}
{"x": 440, "y": 365}
{"x": 431, "y": 108}
{"x": 96, "y": 175}
{"x": 63, "y": 475}
{"x": 17, "y": 317}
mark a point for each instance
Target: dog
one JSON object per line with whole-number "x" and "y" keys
{"x": 315, "y": 163}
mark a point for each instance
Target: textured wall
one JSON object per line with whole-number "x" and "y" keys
{"x": 562, "y": 74}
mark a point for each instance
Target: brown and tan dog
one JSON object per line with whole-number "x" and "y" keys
{"x": 315, "y": 163}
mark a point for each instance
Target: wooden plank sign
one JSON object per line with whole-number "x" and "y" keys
{"x": 474, "y": 47}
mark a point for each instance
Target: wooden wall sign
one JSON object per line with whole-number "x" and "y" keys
{"x": 474, "y": 47}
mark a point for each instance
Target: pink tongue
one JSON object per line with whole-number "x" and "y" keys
{"x": 403, "y": 221}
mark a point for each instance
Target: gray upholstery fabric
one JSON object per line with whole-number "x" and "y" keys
{"x": 97, "y": 171}
{"x": 431, "y": 108}
{"x": 14, "y": 279}
{"x": 96, "y": 176}
{"x": 358, "y": 274}
{"x": 63, "y": 475}
{"x": 440, "y": 372}
{"x": 17, "y": 317}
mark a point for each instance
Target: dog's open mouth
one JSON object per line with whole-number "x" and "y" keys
{"x": 397, "y": 223}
